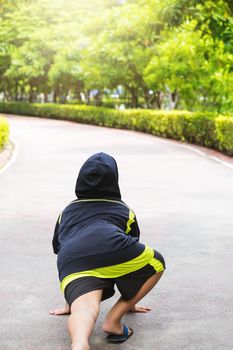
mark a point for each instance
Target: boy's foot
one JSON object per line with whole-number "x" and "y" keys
{"x": 113, "y": 328}
{"x": 120, "y": 338}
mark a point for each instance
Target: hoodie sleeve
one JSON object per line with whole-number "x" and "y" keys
{"x": 55, "y": 241}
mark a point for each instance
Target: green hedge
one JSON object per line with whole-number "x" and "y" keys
{"x": 205, "y": 129}
{"x": 4, "y": 132}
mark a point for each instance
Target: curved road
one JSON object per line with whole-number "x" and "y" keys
{"x": 184, "y": 204}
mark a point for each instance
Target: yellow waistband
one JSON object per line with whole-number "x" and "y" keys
{"x": 147, "y": 257}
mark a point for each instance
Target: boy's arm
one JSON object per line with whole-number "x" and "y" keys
{"x": 135, "y": 231}
{"x": 140, "y": 309}
{"x": 55, "y": 241}
{"x": 132, "y": 225}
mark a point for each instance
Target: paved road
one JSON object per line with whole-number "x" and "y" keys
{"x": 184, "y": 204}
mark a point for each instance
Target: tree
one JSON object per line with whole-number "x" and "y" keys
{"x": 193, "y": 67}
{"x": 164, "y": 53}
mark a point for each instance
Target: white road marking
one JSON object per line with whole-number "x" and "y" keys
{"x": 221, "y": 161}
{"x": 13, "y": 157}
{"x": 201, "y": 153}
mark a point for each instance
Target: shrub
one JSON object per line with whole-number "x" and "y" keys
{"x": 205, "y": 129}
{"x": 224, "y": 131}
{"x": 4, "y": 132}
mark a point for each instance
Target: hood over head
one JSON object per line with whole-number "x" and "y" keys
{"x": 98, "y": 177}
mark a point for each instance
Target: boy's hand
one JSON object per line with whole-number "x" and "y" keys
{"x": 140, "y": 309}
{"x": 59, "y": 312}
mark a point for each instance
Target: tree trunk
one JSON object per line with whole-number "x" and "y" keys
{"x": 156, "y": 100}
{"x": 22, "y": 91}
{"x": 8, "y": 91}
{"x": 79, "y": 86}
{"x": 30, "y": 99}
{"x": 88, "y": 97}
{"x": 147, "y": 98}
{"x": 159, "y": 98}
{"x": 173, "y": 98}
{"x": 98, "y": 99}
{"x": 134, "y": 98}
{"x": 55, "y": 95}
{"x": 4, "y": 88}
{"x": 63, "y": 97}
{"x": 35, "y": 95}
{"x": 16, "y": 91}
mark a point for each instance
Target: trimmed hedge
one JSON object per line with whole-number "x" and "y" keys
{"x": 205, "y": 129}
{"x": 4, "y": 132}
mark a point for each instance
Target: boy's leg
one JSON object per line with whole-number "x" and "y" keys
{"x": 112, "y": 322}
{"x": 84, "y": 312}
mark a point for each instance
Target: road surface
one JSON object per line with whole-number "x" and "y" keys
{"x": 184, "y": 205}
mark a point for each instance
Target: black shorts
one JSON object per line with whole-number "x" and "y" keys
{"x": 128, "y": 285}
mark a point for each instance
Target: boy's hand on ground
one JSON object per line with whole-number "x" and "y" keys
{"x": 140, "y": 309}
{"x": 59, "y": 312}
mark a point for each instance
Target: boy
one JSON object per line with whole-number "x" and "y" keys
{"x": 97, "y": 241}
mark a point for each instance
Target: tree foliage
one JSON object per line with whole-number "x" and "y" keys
{"x": 153, "y": 53}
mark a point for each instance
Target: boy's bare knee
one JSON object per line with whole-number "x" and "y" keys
{"x": 86, "y": 303}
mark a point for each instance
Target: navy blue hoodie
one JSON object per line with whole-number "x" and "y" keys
{"x": 98, "y": 229}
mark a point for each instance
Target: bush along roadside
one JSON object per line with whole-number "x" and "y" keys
{"x": 4, "y": 132}
{"x": 206, "y": 129}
